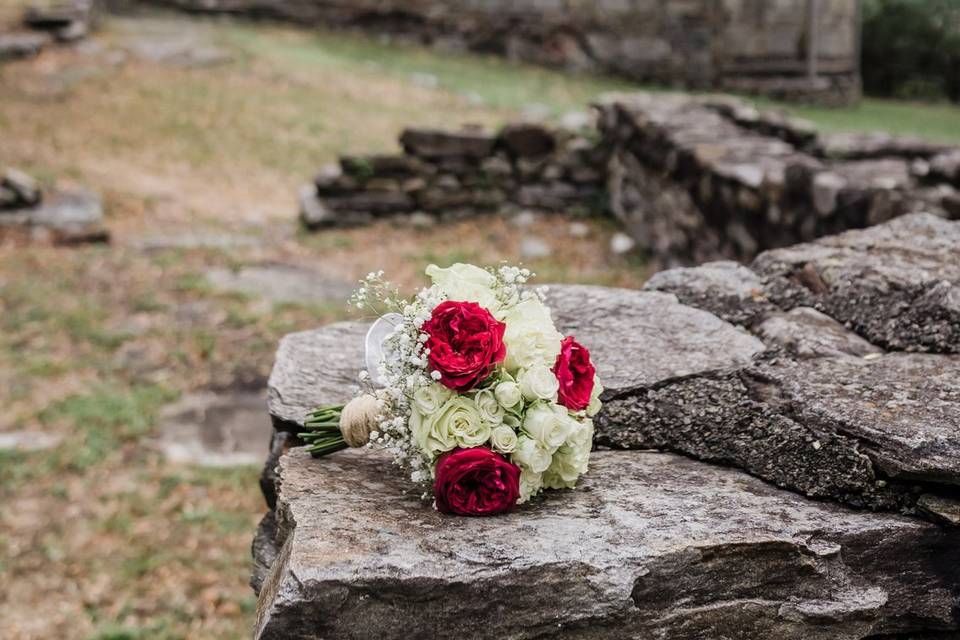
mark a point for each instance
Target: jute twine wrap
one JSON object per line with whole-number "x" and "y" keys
{"x": 358, "y": 419}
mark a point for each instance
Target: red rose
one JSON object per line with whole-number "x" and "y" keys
{"x": 465, "y": 343}
{"x": 575, "y": 373}
{"x": 476, "y": 482}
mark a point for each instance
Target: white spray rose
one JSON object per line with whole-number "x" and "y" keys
{"x": 490, "y": 410}
{"x": 547, "y": 424}
{"x": 508, "y": 394}
{"x": 530, "y": 455}
{"x": 466, "y": 283}
{"x": 594, "y": 407}
{"x": 538, "y": 383}
{"x": 503, "y": 439}
{"x": 530, "y": 485}
{"x": 530, "y": 336}
{"x": 457, "y": 423}
{"x": 572, "y": 459}
{"x": 430, "y": 398}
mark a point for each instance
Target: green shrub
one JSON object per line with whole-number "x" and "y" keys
{"x": 911, "y": 48}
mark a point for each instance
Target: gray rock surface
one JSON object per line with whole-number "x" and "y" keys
{"x": 18, "y": 189}
{"x": 66, "y": 215}
{"x": 656, "y": 338}
{"x": 903, "y": 408}
{"x": 896, "y": 284}
{"x": 282, "y": 283}
{"x": 214, "y": 429}
{"x": 725, "y": 288}
{"x": 22, "y": 45}
{"x": 313, "y": 368}
{"x": 433, "y": 143}
{"x": 28, "y": 440}
{"x": 807, "y": 333}
{"x": 650, "y": 545}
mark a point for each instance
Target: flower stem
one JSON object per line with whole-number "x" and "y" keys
{"x": 321, "y": 431}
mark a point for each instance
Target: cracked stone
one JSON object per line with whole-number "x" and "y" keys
{"x": 650, "y": 545}
{"x": 896, "y": 284}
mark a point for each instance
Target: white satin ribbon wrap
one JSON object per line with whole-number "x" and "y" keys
{"x": 373, "y": 345}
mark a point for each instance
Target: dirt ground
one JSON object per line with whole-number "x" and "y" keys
{"x": 198, "y": 134}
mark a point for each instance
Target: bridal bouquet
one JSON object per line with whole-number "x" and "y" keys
{"x": 472, "y": 388}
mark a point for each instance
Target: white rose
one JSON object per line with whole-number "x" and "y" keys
{"x": 508, "y": 394}
{"x": 538, "y": 383}
{"x": 490, "y": 410}
{"x": 594, "y": 407}
{"x": 530, "y": 485}
{"x": 530, "y": 336}
{"x": 503, "y": 439}
{"x": 432, "y": 441}
{"x": 530, "y": 455}
{"x": 547, "y": 424}
{"x": 466, "y": 283}
{"x": 430, "y": 398}
{"x": 572, "y": 459}
{"x": 457, "y": 423}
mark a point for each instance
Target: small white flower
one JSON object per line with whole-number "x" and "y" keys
{"x": 530, "y": 455}
{"x": 508, "y": 394}
{"x": 490, "y": 410}
{"x": 503, "y": 439}
{"x": 538, "y": 383}
{"x": 547, "y": 424}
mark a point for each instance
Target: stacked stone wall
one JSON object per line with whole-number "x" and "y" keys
{"x": 690, "y": 178}
{"x": 452, "y": 174}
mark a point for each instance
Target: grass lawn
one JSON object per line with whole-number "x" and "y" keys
{"x": 937, "y": 122}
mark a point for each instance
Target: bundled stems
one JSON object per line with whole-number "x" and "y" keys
{"x": 321, "y": 431}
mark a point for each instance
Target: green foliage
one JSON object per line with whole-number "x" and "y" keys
{"x": 911, "y": 48}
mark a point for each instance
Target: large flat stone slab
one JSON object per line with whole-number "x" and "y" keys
{"x": 651, "y": 545}
{"x": 643, "y": 338}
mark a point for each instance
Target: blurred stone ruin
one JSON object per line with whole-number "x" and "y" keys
{"x": 697, "y": 44}
{"x": 46, "y": 23}
{"x": 61, "y": 215}
{"x": 453, "y": 174}
{"x": 690, "y": 178}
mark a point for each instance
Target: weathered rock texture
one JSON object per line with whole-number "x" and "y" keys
{"x": 879, "y": 428}
{"x": 650, "y": 545}
{"x": 67, "y": 215}
{"x": 654, "y": 544}
{"x": 696, "y": 43}
{"x": 454, "y": 174}
{"x": 691, "y": 179}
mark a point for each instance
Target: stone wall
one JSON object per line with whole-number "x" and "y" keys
{"x": 743, "y": 44}
{"x": 450, "y": 174}
{"x": 785, "y": 463}
{"x": 691, "y": 178}
{"x": 699, "y": 178}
